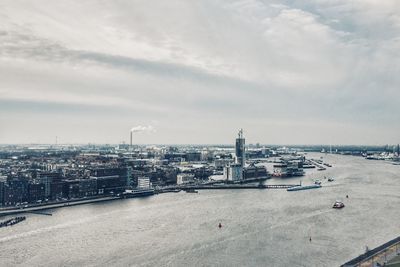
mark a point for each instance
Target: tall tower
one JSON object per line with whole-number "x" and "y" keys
{"x": 130, "y": 143}
{"x": 240, "y": 149}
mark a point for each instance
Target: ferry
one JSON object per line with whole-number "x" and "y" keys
{"x": 305, "y": 187}
{"x": 338, "y": 205}
{"x": 129, "y": 193}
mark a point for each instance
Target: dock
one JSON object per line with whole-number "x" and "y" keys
{"x": 11, "y": 222}
{"x": 236, "y": 186}
{"x": 41, "y": 208}
{"x": 379, "y": 256}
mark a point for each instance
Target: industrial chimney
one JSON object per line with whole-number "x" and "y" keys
{"x": 130, "y": 146}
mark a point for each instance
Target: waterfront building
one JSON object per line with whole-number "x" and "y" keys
{"x": 221, "y": 163}
{"x": 47, "y": 178}
{"x": 36, "y": 192}
{"x": 184, "y": 178}
{"x": 108, "y": 184}
{"x": 57, "y": 190}
{"x": 15, "y": 191}
{"x": 240, "y": 152}
{"x": 114, "y": 178}
{"x": 289, "y": 168}
{"x": 1, "y": 193}
{"x": 87, "y": 187}
{"x": 71, "y": 188}
{"x": 234, "y": 172}
{"x": 143, "y": 183}
{"x": 254, "y": 171}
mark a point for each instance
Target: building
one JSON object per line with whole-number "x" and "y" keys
{"x": 254, "y": 171}
{"x": 221, "y": 163}
{"x": 289, "y": 169}
{"x": 1, "y": 193}
{"x": 184, "y": 178}
{"x": 15, "y": 191}
{"x": 234, "y": 172}
{"x": 87, "y": 187}
{"x": 57, "y": 190}
{"x": 71, "y": 189}
{"x": 111, "y": 180}
{"x": 36, "y": 192}
{"x": 240, "y": 152}
{"x": 47, "y": 178}
{"x": 193, "y": 156}
{"x": 108, "y": 184}
{"x": 143, "y": 183}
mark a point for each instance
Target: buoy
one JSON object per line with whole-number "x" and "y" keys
{"x": 347, "y": 196}
{"x": 219, "y": 225}
{"x": 310, "y": 238}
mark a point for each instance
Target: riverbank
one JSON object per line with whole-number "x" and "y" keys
{"x": 380, "y": 255}
{"x": 62, "y": 204}
{"x": 259, "y": 227}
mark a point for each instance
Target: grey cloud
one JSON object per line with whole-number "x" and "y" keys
{"x": 210, "y": 64}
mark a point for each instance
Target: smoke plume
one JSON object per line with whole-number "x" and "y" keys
{"x": 141, "y": 128}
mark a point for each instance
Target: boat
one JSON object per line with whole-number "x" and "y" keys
{"x": 171, "y": 190}
{"x": 11, "y": 222}
{"x": 330, "y": 179}
{"x": 338, "y": 205}
{"x": 305, "y": 187}
{"x": 191, "y": 191}
{"x": 137, "y": 193}
{"x": 318, "y": 182}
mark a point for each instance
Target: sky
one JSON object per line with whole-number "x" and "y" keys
{"x": 195, "y": 72}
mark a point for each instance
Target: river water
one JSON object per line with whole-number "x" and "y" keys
{"x": 259, "y": 227}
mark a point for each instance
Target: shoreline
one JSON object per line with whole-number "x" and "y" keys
{"x": 14, "y": 211}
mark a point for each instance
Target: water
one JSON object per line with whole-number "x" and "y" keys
{"x": 259, "y": 227}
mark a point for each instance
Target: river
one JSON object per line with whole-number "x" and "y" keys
{"x": 259, "y": 227}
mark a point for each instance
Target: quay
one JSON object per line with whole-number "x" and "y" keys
{"x": 12, "y": 221}
{"x": 54, "y": 205}
{"x": 37, "y": 208}
{"x": 236, "y": 186}
{"x": 384, "y": 255}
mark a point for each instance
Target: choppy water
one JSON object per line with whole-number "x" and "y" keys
{"x": 260, "y": 227}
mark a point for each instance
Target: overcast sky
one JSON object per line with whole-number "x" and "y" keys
{"x": 287, "y": 72}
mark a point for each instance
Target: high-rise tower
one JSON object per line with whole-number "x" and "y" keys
{"x": 240, "y": 149}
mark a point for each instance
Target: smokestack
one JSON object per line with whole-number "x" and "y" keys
{"x": 131, "y": 141}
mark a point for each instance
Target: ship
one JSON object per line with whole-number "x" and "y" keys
{"x": 338, "y": 205}
{"x": 190, "y": 190}
{"x": 305, "y": 187}
{"x": 130, "y": 193}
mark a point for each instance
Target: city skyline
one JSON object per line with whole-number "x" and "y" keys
{"x": 287, "y": 72}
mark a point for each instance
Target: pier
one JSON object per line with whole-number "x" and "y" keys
{"x": 11, "y": 222}
{"x": 378, "y": 256}
{"x": 53, "y": 205}
{"x": 237, "y": 186}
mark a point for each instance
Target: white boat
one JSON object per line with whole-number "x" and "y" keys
{"x": 338, "y": 205}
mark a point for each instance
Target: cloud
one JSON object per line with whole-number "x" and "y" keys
{"x": 201, "y": 69}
